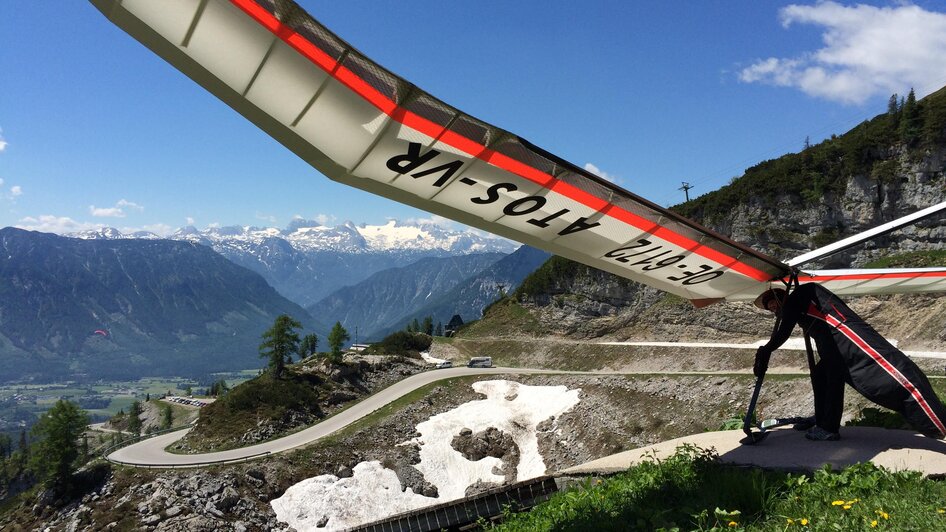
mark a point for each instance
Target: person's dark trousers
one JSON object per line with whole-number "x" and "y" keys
{"x": 827, "y": 379}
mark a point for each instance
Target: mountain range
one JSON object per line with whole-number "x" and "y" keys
{"x": 126, "y": 308}
{"x": 434, "y": 286}
{"x": 307, "y": 261}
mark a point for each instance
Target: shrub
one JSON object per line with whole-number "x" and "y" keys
{"x": 403, "y": 343}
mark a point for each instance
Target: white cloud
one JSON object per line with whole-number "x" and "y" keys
{"x": 190, "y": 221}
{"x": 48, "y": 223}
{"x": 131, "y": 205}
{"x": 1, "y": 181}
{"x": 16, "y": 190}
{"x": 601, "y": 173}
{"x": 106, "y": 212}
{"x": 3, "y": 143}
{"x": 118, "y": 211}
{"x": 867, "y": 51}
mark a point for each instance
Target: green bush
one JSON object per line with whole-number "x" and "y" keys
{"x": 404, "y": 344}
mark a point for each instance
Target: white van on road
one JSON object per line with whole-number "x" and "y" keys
{"x": 480, "y": 362}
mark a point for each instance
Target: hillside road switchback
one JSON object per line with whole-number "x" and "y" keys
{"x": 891, "y": 447}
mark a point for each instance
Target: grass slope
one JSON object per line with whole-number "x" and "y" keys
{"x": 693, "y": 491}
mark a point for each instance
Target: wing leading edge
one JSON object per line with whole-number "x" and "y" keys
{"x": 363, "y": 126}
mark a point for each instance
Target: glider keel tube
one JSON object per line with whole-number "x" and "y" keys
{"x": 361, "y": 125}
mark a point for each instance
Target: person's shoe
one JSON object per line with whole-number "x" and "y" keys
{"x": 817, "y": 433}
{"x": 805, "y": 424}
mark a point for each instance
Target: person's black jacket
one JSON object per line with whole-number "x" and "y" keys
{"x": 876, "y": 369}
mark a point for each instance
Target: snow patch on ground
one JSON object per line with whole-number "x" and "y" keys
{"x": 327, "y": 502}
{"x": 431, "y": 360}
{"x": 338, "y": 503}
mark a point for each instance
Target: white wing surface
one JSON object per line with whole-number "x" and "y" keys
{"x": 361, "y": 125}
{"x": 878, "y": 281}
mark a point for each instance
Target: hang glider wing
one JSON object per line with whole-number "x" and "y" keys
{"x": 361, "y": 125}
{"x": 878, "y": 281}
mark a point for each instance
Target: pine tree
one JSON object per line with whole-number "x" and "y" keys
{"x": 336, "y": 337}
{"x": 134, "y": 419}
{"x": 439, "y": 330}
{"x": 910, "y": 120}
{"x": 56, "y": 451}
{"x": 23, "y": 445}
{"x": 428, "y": 326}
{"x": 279, "y": 343}
{"x": 167, "y": 417}
{"x": 309, "y": 345}
{"x": 892, "y": 106}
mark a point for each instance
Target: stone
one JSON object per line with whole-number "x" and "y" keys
{"x": 174, "y": 511}
{"x": 152, "y": 519}
{"x": 228, "y": 499}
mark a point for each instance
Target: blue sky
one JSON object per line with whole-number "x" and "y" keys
{"x": 95, "y": 130}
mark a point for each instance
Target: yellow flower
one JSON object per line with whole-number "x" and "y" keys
{"x": 846, "y": 507}
{"x": 733, "y": 524}
{"x": 837, "y": 503}
{"x": 790, "y": 521}
{"x": 804, "y": 522}
{"x": 883, "y": 514}
{"x": 941, "y": 511}
{"x": 873, "y": 524}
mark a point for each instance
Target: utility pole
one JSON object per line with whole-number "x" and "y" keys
{"x": 686, "y": 189}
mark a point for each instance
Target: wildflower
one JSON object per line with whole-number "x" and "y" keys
{"x": 804, "y": 522}
{"x": 846, "y": 507}
{"x": 837, "y": 503}
{"x": 733, "y": 524}
{"x": 883, "y": 514}
{"x": 873, "y": 524}
{"x": 941, "y": 511}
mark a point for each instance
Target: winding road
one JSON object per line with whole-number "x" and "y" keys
{"x": 152, "y": 453}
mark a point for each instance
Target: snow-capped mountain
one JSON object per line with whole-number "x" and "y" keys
{"x": 306, "y": 235}
{"x": 307, "y": 260}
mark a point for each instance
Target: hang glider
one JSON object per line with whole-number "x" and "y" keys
{"x": 362, "y": 125}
